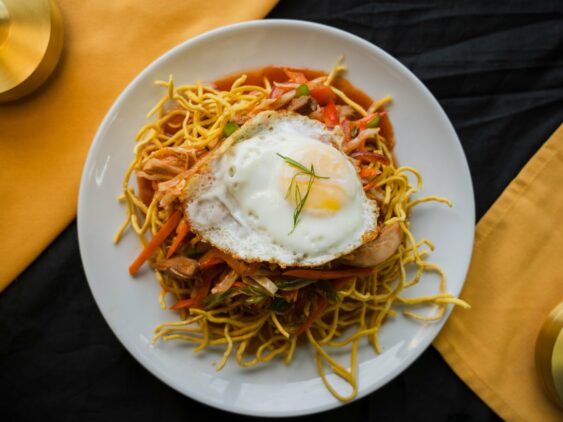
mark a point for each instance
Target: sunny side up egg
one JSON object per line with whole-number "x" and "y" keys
{"x": 244, "y": 204}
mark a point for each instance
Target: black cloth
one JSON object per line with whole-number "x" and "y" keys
{"x": 497, "y": 69}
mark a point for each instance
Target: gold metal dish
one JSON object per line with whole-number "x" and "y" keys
{"x": 31, "y": 41}
{"x": 549, "y": 355}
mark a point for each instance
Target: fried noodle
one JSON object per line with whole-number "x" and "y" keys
{"x": 188, "y": 126}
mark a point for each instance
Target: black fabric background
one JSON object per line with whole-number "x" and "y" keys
{"x": 497, "y": 69}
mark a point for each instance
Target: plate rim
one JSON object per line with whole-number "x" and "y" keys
{"x": 154, "y": 369}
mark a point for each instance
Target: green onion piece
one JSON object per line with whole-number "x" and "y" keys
{"x": 374, "y": 122}
{"x": 280, "y": 306}
{"x": 355, "y": 132}
{"x": 326, "y": 288}
{"x": 230, "y": 128}
{"x": 302, "y": 89}
{"x": 293, "y": 284}
{"x": 194, "y": 252}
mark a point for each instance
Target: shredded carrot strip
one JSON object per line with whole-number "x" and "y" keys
{"x": 321, "y": 305}
{"x": 186, "y": 303}
{"x": 369, "y": 186}
{"x": 155, "y": 242}
{"x": 210, "y": 258}
{"x": 181, "y": 232}
{"x": 369, "y": 172}
{"x": 201, "y": 291}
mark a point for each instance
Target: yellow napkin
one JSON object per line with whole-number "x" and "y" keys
{"x": 44, "y": 138}
{"x": 515, "y": 279}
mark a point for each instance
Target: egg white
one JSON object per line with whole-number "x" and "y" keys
{"x": 240, "y": 205}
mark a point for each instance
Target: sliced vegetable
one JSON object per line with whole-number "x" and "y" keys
{"x": 201, "y": 291}
{"x": 293, "y": 284}
{"x": 266, "y": 283}
{"x": 215, "y": 299}
{"x": 354, "y": 132}
{"x": 210, "y": 258}
{"x": 230, "y": 128}
{"x": 374, "y": 122}
{"x": 321, "y": 305}
{"x": 186, "y": 303}
{"x": 322, "y": 94}
{"x": 155, "y": 242}
{"x": 326, "y": 288}
{"x": 329, "y": 274}
{"x": 302, "y": 90}
{"x": 194, "y": 252}
{"x": 330, "y": 115}
{"x": 280, "y": 306}
{"x": 181, "y": 232}
{"x": 368, "y": 172}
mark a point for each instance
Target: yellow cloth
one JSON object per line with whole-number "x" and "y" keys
{"x": 515, "y": 279}
{"x": 45, "y": 137}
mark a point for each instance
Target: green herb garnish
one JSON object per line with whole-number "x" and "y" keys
{"x": 230, "y": 128}
{"x": 373, "y": 123}
{"x": 300, "y": 199}
{"x": 302, "y": 90}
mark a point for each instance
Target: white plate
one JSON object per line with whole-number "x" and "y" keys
{"x": 425, "y": 140}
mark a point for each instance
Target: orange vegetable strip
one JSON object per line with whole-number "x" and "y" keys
{"x": 186, "y": 303}
{"x": 181, "y": 231}
{"x": 155, "y": 242}
{"x": 321, "y": 305}
{"x": 328, "y": 274}
{"x": 330, "y": 115}
{"x": 202, "y": 292}
{"x": 210, "y": 258}
{"x": 199, "y": 294}
{"x": 369, "y": 186}
{"x": 369, "y": 172}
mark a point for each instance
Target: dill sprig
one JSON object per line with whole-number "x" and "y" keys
{"x": 300, "y": 199}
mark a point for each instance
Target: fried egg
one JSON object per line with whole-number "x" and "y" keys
{"x": 245, "y": 202}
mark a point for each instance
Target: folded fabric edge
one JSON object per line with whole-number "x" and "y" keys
{"x": 472, "y": 379}
{"x": 486, "y": 225}
{"x": 518, "y": 185}
{"x": 7, "y": 276}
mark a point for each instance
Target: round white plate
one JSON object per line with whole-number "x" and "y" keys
{"x": 425, "y": 140}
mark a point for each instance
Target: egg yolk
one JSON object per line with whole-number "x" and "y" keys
{"x": 327, "y": 195}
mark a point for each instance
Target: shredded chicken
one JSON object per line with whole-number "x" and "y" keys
{"x": 166, "y": 164}
{"x": 378, "y": 250}
{"x": 180, "y": 266}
